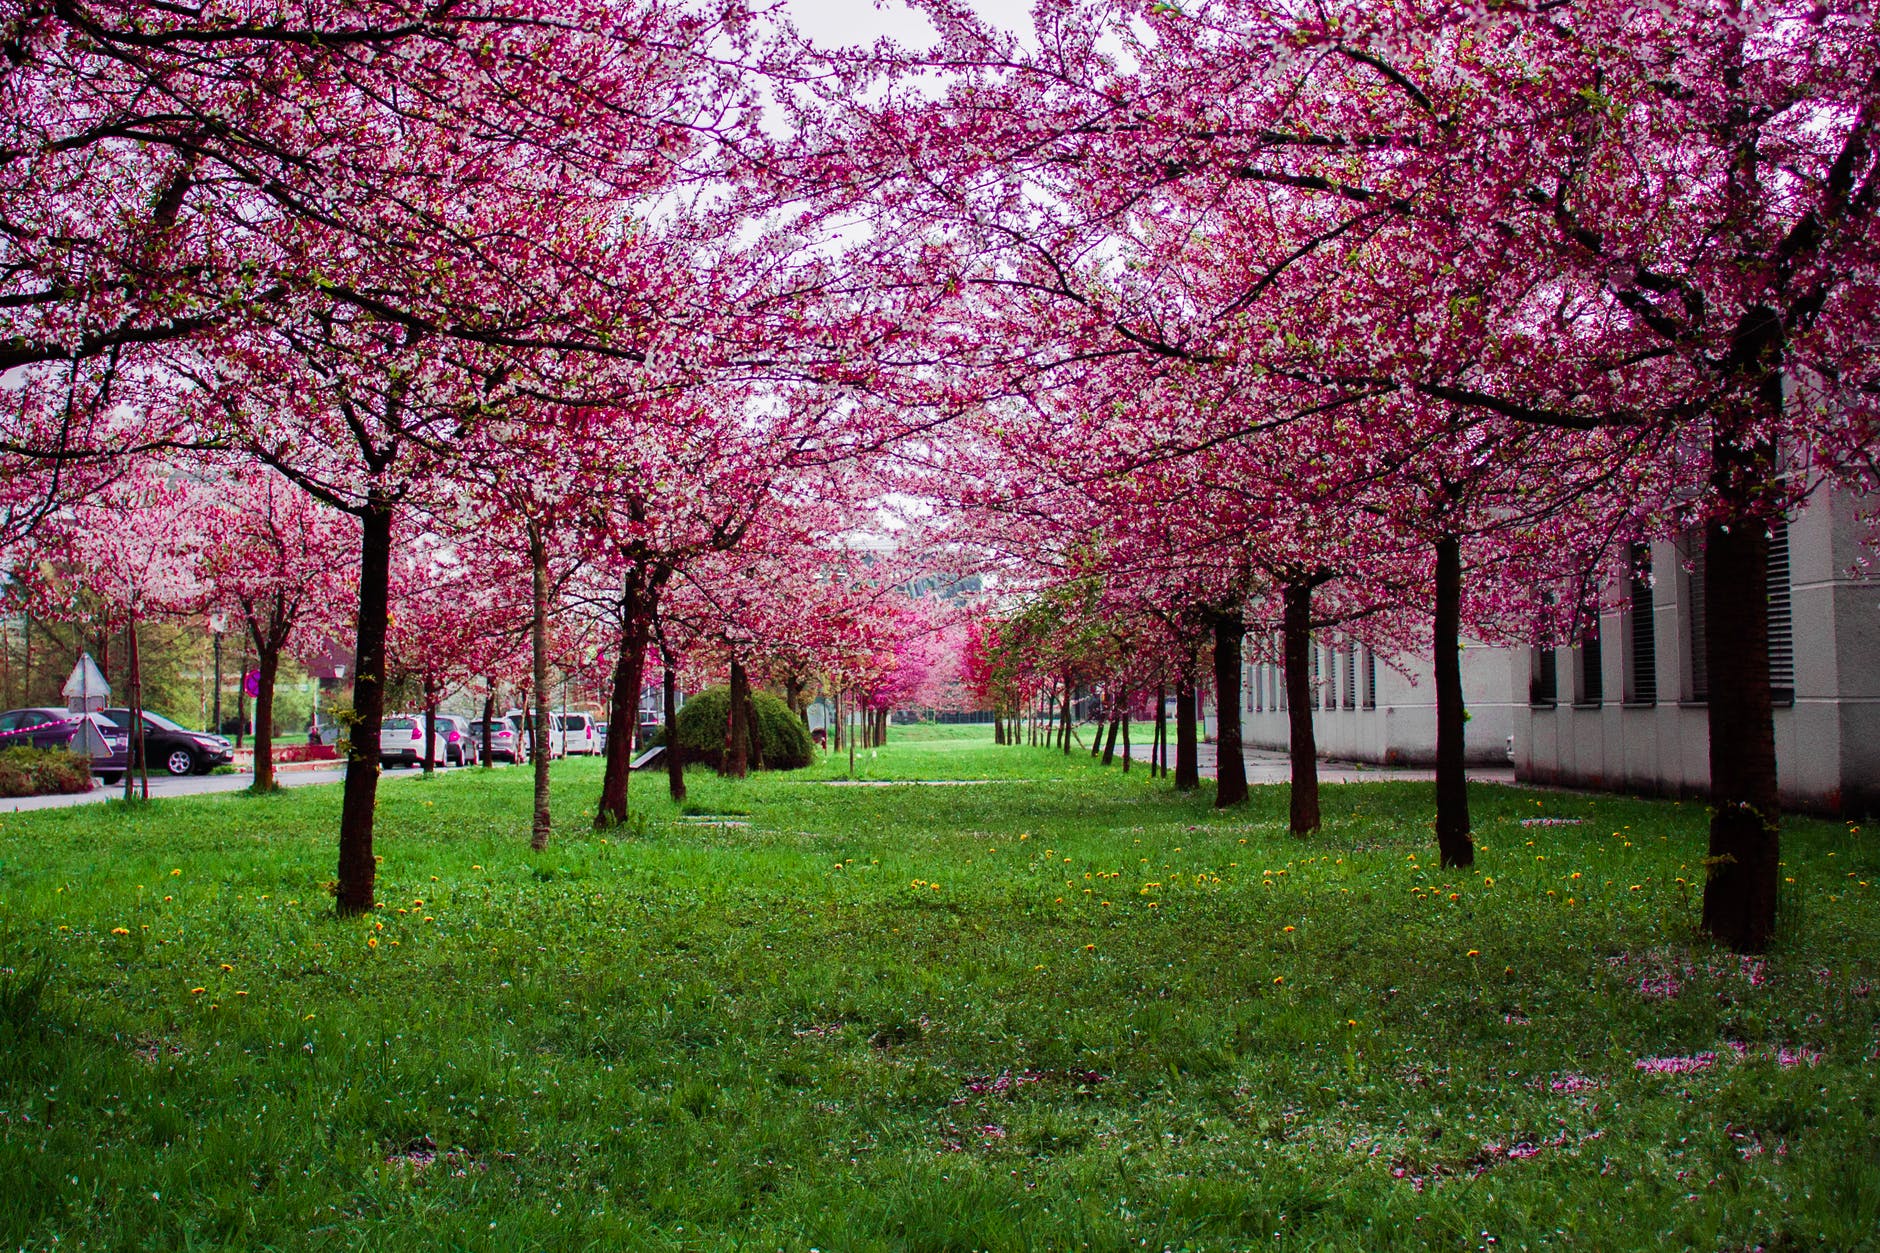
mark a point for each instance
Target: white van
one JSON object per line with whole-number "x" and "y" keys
{"x": 577, "y": 734}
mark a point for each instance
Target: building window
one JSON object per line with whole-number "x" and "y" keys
{"x": 1543, "y": 682}
{"x": 1370, "y": 679}
{"x": 1350, "y": 700}
{"x": 1589, "y": 685}
{"x": 1696, "y": 621}
{"x": 1312, "y": 687}
{"x": 1780, "y": 610}
{"x": 1641, "y": 661}
{"x": 1781, "y": 618}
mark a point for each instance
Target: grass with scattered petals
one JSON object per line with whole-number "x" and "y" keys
{"x": 1054, "y": 1007}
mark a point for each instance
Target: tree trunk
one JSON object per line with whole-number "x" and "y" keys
{"x": 675, "y": 760}
{"x": 139, "y": 766}
{"x": 430, "y": 731}
{"x": 357, "y": 868}
{"x": 1187, "y": 740}
{"x": 623, "y": 709}
{"x": 268, "y": 662}
{"x": 1064, "y": 718}
{"x": 1230, "y": 770}
{"x": 1453, "y": 841}
{"x": 1740, "y": 889}
{"x": 1302, "y": 746}
{"x": 736, "y": 760}
{"x": 1158, "y": 752}
{"x": 1109, "y": 743}
{"x": 1126, "y": 732}
{"x": 541, "y": 824}
{"x": 489, "y": 716}
{"x": 998, "y": 729}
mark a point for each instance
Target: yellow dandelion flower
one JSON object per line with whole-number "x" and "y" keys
{"x": 197, "y": 991}
{"x": 1474, "y": 952}
{"x": 226, "y": 968}
{"x": 1287, "y": 929}
{"x": 1278, "y": 979}
{"x": 120, "y": 930}
{"x": 372, "y": 942}
{"x": 177, "y": 871}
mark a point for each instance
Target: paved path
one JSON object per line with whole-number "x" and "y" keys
{"x": 201, "y": 785}
{"x": 1267, "y": 766}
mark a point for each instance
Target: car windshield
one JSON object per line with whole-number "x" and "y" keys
{"x": 158, "y": 720}
{"x": 399, "y": 724}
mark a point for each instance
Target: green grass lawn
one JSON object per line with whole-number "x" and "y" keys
{"x": 1063, "y": 1008}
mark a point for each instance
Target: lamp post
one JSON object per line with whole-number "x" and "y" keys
{"x": 218, "y": 625}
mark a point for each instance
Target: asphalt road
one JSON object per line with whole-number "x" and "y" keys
{"x": 197, "y": 785}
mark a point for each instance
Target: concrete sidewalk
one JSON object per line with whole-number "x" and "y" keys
{"x": 1266, "y": 766}
{"x": 287, "y": 774}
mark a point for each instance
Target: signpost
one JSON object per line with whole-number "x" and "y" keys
{"x": 86, "y": 691}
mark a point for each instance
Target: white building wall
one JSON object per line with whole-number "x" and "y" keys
{"x": 1400, "y": 727}
{"x": 1827, "y": 738}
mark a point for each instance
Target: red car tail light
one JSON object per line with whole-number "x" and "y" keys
{"x": 417, "y": 733}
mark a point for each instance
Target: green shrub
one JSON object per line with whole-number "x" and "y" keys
{"x": 43, "y": 772}
{"x": 782, "y": 739}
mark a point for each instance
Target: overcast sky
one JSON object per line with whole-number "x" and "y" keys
{"x": 862, "y": 21}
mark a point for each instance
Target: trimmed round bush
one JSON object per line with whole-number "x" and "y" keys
{"x": 783, "y": 740}
{"x": 26, "y": 771}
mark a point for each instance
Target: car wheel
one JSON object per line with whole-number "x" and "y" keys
{"x": 112, "y": 779}
{"x": 180, "y": 762}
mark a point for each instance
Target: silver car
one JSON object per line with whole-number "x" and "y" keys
{"x": 401, "y": 741}
{"x": 507, "y": 743}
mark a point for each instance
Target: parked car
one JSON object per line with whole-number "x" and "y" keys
{"x": 401, "y": 741}
{"x": 507, "y": 743}
{"x": 61, "y": 728}
{"x": 521, "y": 718}
{"x": 576, "y": 732}
{"x": 461, "y": 748}
{"x": 171, "y": 747}
{"x": 600, "y": 734}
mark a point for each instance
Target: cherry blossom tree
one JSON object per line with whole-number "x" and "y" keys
{"x": 282, "y": 562}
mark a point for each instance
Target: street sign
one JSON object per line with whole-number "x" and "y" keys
{"x": 86, "y": 691}
{"x": 251, "y": 683}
